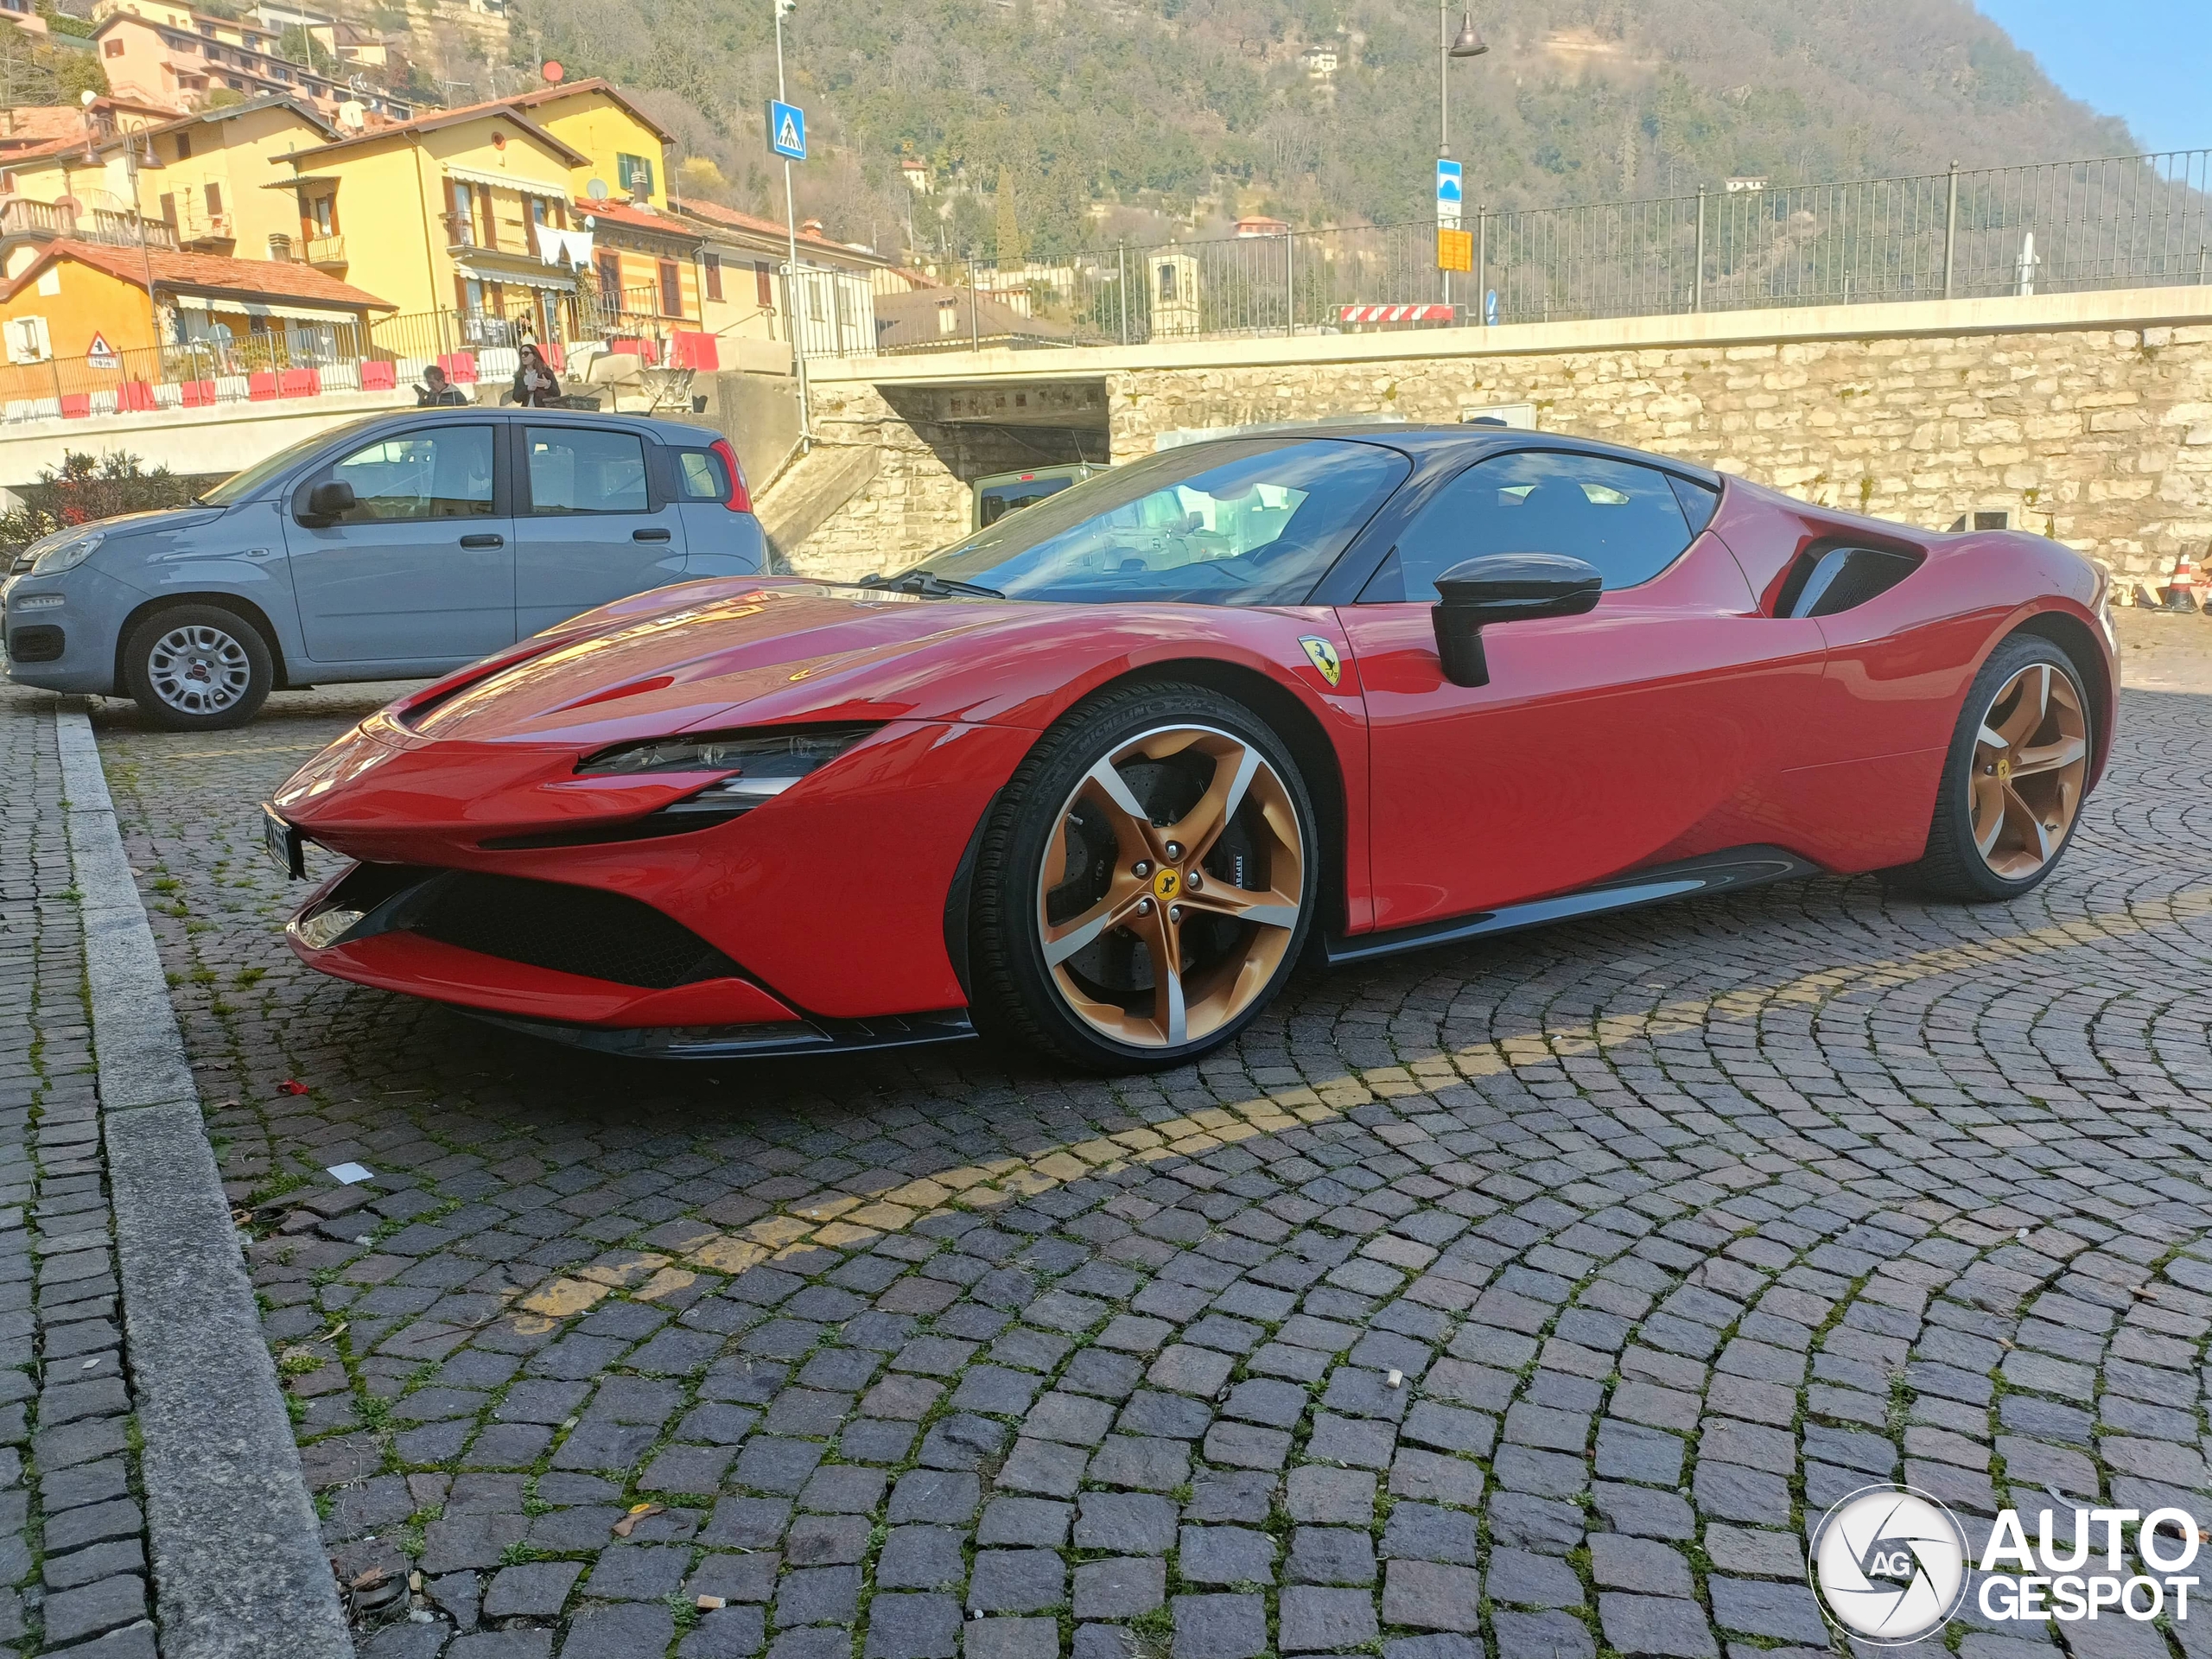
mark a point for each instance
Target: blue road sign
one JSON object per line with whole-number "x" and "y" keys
{"x": 1490, "y": 308}
{"x": 787, "y": 130}
{"x": 1449, "y": 192}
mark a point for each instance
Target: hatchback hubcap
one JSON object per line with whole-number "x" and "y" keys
{"x": 199, "y": 670}
{"x": 2031, "y": 756}
{"x": 1172, "y": 886}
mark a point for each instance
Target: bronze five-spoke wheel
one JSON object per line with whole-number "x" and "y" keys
{"x": 2019, "y": 765}
{"x": 2030, "y": 759}
{"x": 1149, "y": 881}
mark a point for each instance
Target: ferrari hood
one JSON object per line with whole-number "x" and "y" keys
{"x": 710, "y": 653}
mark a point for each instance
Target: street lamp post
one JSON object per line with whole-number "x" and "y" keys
{"x": 784, "y": 9}
{"x": 1467, "y": 44}
{"x": 132, "y": 165}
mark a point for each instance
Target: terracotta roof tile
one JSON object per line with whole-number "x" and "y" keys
{"x": 716, "y": 213}
{"x": 208, "y": 271}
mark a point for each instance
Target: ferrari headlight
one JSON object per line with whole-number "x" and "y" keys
{"x": 758, "y": 766}
{"x": 67, "y": 554}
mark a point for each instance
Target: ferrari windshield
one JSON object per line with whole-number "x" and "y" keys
{"x": 1240, "y": 521}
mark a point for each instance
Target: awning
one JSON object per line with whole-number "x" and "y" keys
{"x": 507, "y": 182}
{"x": 540, "y": 277}
{"x": 268, "y": 309}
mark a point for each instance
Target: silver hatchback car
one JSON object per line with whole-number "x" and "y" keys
{"x": 392, "y": 548}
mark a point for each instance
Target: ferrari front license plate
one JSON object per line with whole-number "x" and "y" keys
{"x": 284, "y": 844}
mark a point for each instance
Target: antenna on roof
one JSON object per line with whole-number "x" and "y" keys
{"x": 596, "y": 190}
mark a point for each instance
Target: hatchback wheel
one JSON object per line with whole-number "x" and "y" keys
{"x": 1147, "y": 882}
{"x": 197, "y": 668}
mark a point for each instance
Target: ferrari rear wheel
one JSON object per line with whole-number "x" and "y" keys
{"x": 1147, "y": 882}
{"x": 2014, "y": 778}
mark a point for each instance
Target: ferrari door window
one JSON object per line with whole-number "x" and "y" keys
{"x": 1239, "y": 522}
{"x": 1623, "y": 519}
{"x": 579, "y": 469}
{"x": 444, "y": 472}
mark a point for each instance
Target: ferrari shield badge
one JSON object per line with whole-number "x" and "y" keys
{"x": 1324, "y": 657}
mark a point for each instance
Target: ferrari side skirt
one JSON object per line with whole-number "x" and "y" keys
{"x": 1737, "y": 867}
{"x": 813, "y": 1035}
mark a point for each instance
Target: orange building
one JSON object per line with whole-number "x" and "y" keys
{"x": 88, "y": 300}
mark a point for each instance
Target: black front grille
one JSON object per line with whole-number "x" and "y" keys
{"x": 36, "y": 645}
{"x": 568, "y": 930}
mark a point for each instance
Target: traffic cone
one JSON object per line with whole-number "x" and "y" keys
{"x": 2180, "y": 594}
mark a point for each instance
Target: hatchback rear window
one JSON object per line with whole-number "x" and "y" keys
{"x": 701, "y": 475}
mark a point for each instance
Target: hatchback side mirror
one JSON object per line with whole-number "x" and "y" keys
{"x": 1505, "y": 588}
{"x": 333, "y": 498}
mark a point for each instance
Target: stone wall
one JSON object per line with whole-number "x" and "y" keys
{"x": 931, "y": 445}
{"x": 2097, "y": 435}
{"x": 2101, "y": 439}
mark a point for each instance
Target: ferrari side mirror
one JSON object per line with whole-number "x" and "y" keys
{"x": 1505, "y": 588}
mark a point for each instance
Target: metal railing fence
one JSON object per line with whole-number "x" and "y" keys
{"x": 2120, "y": 222}
{"x": 305, "y": 358}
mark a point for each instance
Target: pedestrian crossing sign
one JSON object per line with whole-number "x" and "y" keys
{"x": 787, "y": 130}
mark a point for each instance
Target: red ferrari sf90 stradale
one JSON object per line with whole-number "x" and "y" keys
{"x": 1099, "y": 776}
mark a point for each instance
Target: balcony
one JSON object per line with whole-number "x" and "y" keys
{"x": 326, "y": 252}
{"x": 197, "y": 228}
{"x": 42, "y": 218}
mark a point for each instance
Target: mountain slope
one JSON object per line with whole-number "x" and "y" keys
{"x": 1178, "y": 112}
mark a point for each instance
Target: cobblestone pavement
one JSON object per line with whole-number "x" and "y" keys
{"x": 73, "y": 1559}
{"x": 1526, "y": 1299}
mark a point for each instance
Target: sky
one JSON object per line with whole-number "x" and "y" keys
{"x": 2147, "y": 61}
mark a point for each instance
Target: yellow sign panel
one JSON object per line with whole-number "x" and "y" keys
{"x": 1455, "y": 250}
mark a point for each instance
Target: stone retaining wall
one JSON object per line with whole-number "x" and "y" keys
{"x": 2100, "y": 437}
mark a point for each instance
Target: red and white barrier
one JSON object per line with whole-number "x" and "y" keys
{"x": 1393, "y": 313}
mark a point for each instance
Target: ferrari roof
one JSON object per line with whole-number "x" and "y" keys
{"x": 1431, "y": 438}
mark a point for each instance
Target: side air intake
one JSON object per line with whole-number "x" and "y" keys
{"x": 1842, "y": 578}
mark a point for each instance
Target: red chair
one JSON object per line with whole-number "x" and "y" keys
{"x": 460, "y": 367}
{"x": 200, "y": 394}
{"x": 379, "y": 377}
{"x": 299, "y": 383}
{"x": 261, "y": 388}
{"x": 76, "y": 405}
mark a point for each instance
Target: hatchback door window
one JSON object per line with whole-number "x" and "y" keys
{"x": 442, "y": 472}
{"x": 1623, "y": 519}
{"x": 584, "y": 470}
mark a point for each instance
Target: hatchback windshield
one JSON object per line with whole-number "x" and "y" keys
{"x": 1240, "y": 521}
{"x": 238, "y": 486}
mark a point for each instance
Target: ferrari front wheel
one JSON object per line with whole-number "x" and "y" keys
{"x": 1146, "y": 881}
{"x": 2013, "y": 779}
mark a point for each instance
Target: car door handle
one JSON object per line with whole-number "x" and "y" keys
{"x": 483, "y": 541}
{"x": 648, "y": 535}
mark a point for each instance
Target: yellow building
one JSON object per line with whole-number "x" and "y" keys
{"x": 217, "y": 179}
{"x": 445, "y": 207}
{"x": 626, "y": 149}
{"x": 462, "y": 202}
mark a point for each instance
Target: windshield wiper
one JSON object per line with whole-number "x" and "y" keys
{"x": 929, "y": 583}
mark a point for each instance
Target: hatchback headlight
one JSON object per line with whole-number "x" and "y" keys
{"x": 67, "y": 554}
{"x": 758, "y": 766}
